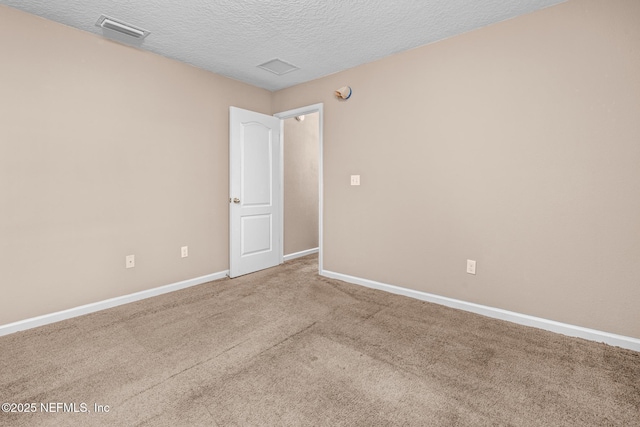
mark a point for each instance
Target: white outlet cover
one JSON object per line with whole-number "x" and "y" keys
{"x": 471, "y": 266}
{"x": 355, "y": 179}
{"x": 130, "y": 261}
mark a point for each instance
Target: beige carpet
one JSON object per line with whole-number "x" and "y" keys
{"x": 286, "y": 347}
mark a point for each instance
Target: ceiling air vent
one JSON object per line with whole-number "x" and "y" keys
{"x": 121, "y": 27}
{"x": 277, "y": 66}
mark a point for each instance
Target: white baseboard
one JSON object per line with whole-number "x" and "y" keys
{"x": 497, "y": 313}
{"x": 101, "y": 305}
{"x": 300, "y": 254}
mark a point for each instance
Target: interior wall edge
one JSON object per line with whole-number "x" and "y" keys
{"x": 575, "y": 331}
{"x": 300, "y": 254}
{"x": 58, "y": 316}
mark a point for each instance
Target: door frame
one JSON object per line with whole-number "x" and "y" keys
{"x": 309, "y": 109}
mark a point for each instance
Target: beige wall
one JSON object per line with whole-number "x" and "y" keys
{"x": 105, "y": 151}
{"x": 517, "y": 145}
{"x": 301, "y": 145}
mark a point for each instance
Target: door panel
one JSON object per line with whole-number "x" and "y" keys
{"x": 256, "y": 164}
{"x": 256, "y": 232}
{"x": 255, "y": 208}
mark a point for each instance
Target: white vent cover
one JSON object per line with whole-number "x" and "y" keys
{"x": 121, "y": 27}
{"x": 278, "y": 66}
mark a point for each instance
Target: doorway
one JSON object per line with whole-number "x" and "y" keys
{"x": 301, "y": 134}
{"x": 300, "y": 168}
{"x": 256, "y": 190}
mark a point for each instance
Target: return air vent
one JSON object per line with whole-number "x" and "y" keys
{"x": 279, "y": 67}
{"x": 121, "y": 27}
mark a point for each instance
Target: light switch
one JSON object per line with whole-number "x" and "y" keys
{"x": 355, "y": 179}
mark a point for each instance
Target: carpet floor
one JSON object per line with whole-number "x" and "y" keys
{"x": 287, "y": 347}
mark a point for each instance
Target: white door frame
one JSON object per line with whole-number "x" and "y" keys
{"x": 310, "y": 109}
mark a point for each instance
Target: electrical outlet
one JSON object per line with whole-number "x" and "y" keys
{"x": 471, "y": 266}
{"x": 355, "y": 179}
{"x": 184, "y": 251}
{"x": 130, "y": 261}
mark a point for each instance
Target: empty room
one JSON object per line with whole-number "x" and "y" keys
{"x": 308, "y": 213}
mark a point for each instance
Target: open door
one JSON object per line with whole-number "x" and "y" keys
{"x": 255, "y": 215}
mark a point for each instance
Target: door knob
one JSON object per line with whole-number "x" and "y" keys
{"x": 236, "y": 200}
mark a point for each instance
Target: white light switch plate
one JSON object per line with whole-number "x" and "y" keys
{"x": 184, "y": 251}
{"x": 355, "y": 179}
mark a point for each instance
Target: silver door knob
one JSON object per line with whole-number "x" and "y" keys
{"x": 236, "y": 200}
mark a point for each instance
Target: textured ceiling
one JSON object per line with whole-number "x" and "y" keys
{"x": 233, "y": 37}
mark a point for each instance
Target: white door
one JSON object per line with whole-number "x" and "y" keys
{"x": 255, "y": 209}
